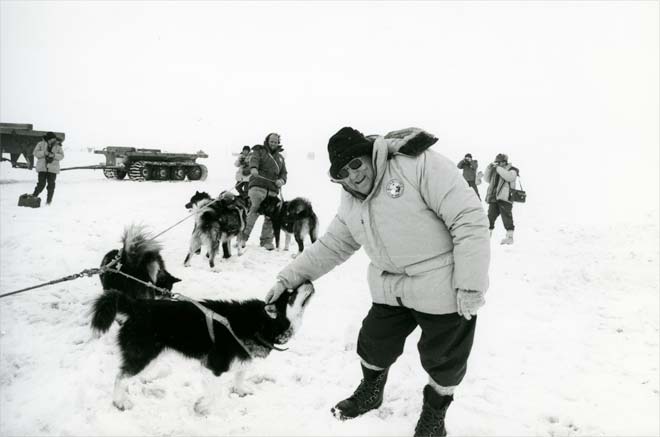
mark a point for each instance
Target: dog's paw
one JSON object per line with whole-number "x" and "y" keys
{"x": 241, "y": 391}
{"x": 153, "y": 392}
{"x": 259, "y": 379}
{"x": 202, "y": 406}
{"x": 123, "y": 404}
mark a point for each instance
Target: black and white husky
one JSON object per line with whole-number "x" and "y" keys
{"x": 152, "y": 326}
{"x": 217, "y": 222}
{"x": 295, "y": 217}
{"x": 139, "y": 257}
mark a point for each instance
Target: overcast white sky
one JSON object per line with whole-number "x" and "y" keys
{"x": 573, "y": 83}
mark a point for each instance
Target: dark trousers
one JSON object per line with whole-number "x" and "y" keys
{"x": 444, "y": 346}
{"x": 505, "y": 210}
{"x": 473, "y": 184}
{"x": 242, "y": 188}
{"x": 44, "y": 177}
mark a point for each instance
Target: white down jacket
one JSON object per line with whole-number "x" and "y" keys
{"x": 422, "y": 227}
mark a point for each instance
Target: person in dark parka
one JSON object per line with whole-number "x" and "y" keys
{"x": 469, "y": 167}
{"x": 268, "y": 175}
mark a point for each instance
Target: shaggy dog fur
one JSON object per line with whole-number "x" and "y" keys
{"x": 139, "y": 257}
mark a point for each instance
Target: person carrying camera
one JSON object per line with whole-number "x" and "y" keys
{"x": 500, "y": 175}
{"x": 49, "y": 153}
{"x": 469, "y": 167}
{"x": 243, "y": 173}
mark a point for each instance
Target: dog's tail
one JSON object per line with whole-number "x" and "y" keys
{"x": 137, "y": 243}
{"x": 107, "y": 306}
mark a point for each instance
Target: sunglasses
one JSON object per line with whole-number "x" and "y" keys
{"x": 353, "y": 165}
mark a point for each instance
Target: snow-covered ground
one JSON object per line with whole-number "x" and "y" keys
{"x": 566, "y": 345}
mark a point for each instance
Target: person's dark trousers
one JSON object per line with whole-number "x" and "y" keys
{"x": 45, "y": 177}
{"x": 473, "y": 184}
{"x": 505, "y": 210}
{"x": 242, "y": 189}
{"x": 444, "y": 346}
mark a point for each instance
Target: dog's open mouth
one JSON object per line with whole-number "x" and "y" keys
{"x": 301, "y": 295}
{"x": 307, "y": 290}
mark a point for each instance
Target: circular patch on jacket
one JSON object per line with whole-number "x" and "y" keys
{"x": 394, "y": 188}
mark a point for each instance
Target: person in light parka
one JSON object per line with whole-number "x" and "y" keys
{"x": 427, "y": 238}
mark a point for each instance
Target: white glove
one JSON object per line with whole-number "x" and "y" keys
{"x": 274, "y": 293}
{"x": 468, "y": 302}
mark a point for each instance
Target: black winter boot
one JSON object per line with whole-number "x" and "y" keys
{"x": 431, "y": 422}
{"x": 368, "y": 396}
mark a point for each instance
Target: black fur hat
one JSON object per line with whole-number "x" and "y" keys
{"x": 346, "y": 144}
{"x": 468, "y": 155}
{"x": 50, "y": 136}
{"x": 501, "y": 157}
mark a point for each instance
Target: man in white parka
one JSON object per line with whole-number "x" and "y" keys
{"x": 427, "y": 237}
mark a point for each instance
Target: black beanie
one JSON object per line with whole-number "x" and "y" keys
{"x": 49, "y": 136}
{"x": 345, "y": 145}
{"x": 501, "y": 157}
{"x": 468, "y": 155}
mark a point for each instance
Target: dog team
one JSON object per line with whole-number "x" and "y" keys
{"x": 421, "y": 225}
{"x": 148, "y": 315}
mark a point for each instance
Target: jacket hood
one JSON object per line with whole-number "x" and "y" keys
{"x": 410, "y": 142}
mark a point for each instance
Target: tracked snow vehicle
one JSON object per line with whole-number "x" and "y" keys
{"x": 149, "y": 165}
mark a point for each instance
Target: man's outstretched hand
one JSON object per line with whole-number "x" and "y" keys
{"x": 275, "y": 292}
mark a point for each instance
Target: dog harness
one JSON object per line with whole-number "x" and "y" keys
{"x": 210, "y": 317}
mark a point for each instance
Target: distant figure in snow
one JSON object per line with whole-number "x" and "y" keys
{"x": 243, "y": 172}
{"x": 426, "y": 235}
{"x": 500, "y": 175}
{"x": 268, "y": 175}
{"x": 49, "y": 153}
{"x": 469, "y": 167}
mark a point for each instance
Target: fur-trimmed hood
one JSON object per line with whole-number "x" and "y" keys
{"x": 422, "y": 227}
{"x": 412, "y": 142}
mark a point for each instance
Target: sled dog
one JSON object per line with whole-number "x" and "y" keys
{"x": 139, "y": 257}
{"x": 217, "y": 222}
{"x": 152, "y": 326}
{"x": 295, "y": 217}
